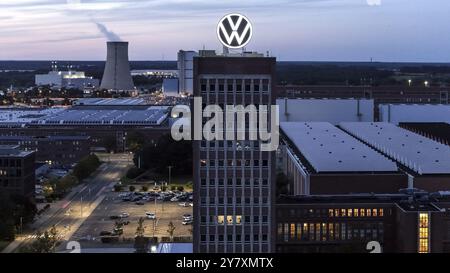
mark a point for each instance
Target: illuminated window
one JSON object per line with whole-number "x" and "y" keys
{"x": 424, "y": 233}
{"x": 368, "y": 212}
{"x": 317, "y": 232}
{"x": 292, "y": 231}
{"x": 238, "y": 219}
{"x": 355, "y": 212}
{"x": 349, "y": 212}
{"x": 374, "y": 212}
{"x": 330, "y": 213}
{"x": 336, "y": 213}
{"x": 363, "y": 213}
{"x": 324, "y": 232}
{"x": 381, "y": 212}
{"x": 331, "y": 231}
{"x": 229, "y": 220}
{"x": 220, "y": 219}
{"x": 299, "y": 231}
{"x": 343, "y": 212}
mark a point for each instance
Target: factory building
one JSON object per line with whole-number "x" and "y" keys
{"x": 117, "y": 75}
{"x": 106, "y": 126}
{"x": 407, "y": 222}
{"x": 170, "y": 87}
{"x": 397, "y": 113}
{"x": 66, "y": 79}
{"x": 17, "y": 171}
{"x": 319, "y": 158}
{"x": 326, "y": 110}
{"x": 426, "y": 161}
{"x": 53, "y": 150}
{"x": 380, "y": 94}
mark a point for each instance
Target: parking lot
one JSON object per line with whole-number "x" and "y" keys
{"x": 113, "y": 205}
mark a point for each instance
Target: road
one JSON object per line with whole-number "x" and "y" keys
{"x": 72, "y": 212}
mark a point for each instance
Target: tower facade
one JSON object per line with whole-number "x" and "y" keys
{"x": 233, "y": 179}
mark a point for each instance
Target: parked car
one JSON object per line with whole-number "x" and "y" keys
{"x": 183, "y": 204}
{"x": 114, "y": 217}
{"x": 140, "y": 203}
{"x": 187, "y": 222}
{"x": 124, "y": 215}
{"x": 187, "y": 217}
{"x": 151, "y": 215}
{"x": 191, "y": 204}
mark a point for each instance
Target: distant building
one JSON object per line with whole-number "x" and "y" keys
{"x": 427, "y": 162}
{"x": 319, "y": 158}
{"x": 53, "y": 150}
{"x": 185, "y": 71}
{"x": 109, "y": 102}
{"x": 397, "y": 113}
{"x": 107, "y": 126}
{"x": 380, "y": 94}
{"x": 410, "y": 222}
{"x": 17, "y": 171}
{"x": 326, "y": 110}
{"x": 66, "y": 79}
{"x": 170, "y": 87}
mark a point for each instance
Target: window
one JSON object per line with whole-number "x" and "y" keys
{"x": 229, "y": 220}
{"x": 220, "y": 219}
{"x": 424, "y": 233}
{"x": 238, "y": 219}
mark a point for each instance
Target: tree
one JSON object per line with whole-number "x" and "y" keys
{"x": 131, "y": 188}
{"x": 135, "y": 140}
{"x": 46, "y": 242}
{"x": 167, "y": 152}
{"x": 180, "y": 188}
{"x": 140, "y": 242}
{"x": 86, "y": 166}
{"x": 7, "y": 227}
{"x": 144, "y": 188}
{"x": 117, "y": 187}
{"x": 170, "y": 230}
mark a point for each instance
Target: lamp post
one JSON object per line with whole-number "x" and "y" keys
{"x": 170, "y": 173}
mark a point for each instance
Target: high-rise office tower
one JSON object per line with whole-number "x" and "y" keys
{"x": 233, "y": 180}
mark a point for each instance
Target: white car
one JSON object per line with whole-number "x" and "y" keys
{"x": 174, "y": 199}
{"x": 124, "y": 215}
{"x": 191, "y": 204}
{"x": 183, "y": 204}
{"x": 187, "y": 222}
{"x": 151, "y": 215}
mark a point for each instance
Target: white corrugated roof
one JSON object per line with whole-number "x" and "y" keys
{"x": 423, "y": 155}
{"x": 329, "y": 149}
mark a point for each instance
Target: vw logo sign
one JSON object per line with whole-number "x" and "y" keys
{"x": 234, "y": 30}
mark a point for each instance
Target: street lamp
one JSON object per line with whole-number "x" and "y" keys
{"x": 170, "y": 173}
{"x": 409, "y": 82}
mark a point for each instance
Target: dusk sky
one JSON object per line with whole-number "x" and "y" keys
{"x": 297, "y": 30}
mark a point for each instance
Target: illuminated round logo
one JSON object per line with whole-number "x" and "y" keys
{"x": 234, "y": 30}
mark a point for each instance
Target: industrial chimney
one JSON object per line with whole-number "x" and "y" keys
{"x": 117, "y": 76}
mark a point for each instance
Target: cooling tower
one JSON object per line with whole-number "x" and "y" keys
{"x": 117, "y": 74}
